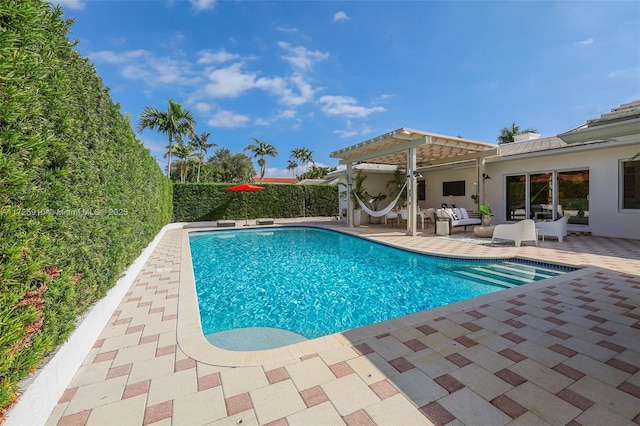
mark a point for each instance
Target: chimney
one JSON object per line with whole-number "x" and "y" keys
{"x": 528, "y": 136}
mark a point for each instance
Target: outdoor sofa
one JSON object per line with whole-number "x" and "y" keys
{"x": 457, "y": 217}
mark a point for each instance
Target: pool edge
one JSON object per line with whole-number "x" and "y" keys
{"x": 192, "y": 342}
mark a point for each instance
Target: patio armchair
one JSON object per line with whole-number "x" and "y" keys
{"x": 557, "y": 228}
{"x": 391, "y": 218}
{"x": 525, "y": 230}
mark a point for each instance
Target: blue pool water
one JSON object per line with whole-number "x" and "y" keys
{"x": 314, "y": 282}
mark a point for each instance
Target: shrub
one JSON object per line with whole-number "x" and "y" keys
{"x": 212, "y": 201}
{"x": 80, "y": 196}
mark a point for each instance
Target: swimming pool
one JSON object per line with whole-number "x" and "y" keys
{"x": 313, "y": 282}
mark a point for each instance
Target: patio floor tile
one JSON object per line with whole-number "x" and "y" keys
{"x": 319, "y": 415}
{"x": 126, "y": 412}
{"x": 565, "y": 351}
{"x": 349, "y": 394}
{"x": 543, "y": 404}
{"x": 470, "y": 408}
{"x": 276, "y": 401}
{"x": 481, "y": 381}
{"x": 96, "y": 394}
{"x": 396, "y": 410}
{"x": 309, "y": 373}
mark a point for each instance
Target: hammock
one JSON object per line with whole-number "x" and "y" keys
{"x": 383, "y": 212}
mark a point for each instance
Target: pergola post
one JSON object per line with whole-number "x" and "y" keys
{"x": 349, "y": 206}
{"x": 412, "y": 198}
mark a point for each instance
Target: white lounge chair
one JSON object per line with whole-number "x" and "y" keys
{"x": 525, "y": 230}
{"x": 557, "y": 228}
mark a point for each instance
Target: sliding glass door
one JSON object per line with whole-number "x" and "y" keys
{"x": 548, "y": 196}
{"x": 573, "y": 196}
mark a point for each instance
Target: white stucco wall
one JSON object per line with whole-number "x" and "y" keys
{"x": 434, "y": 179}
{"x": 375, "y": 183}
{"x": 605, "y": 216}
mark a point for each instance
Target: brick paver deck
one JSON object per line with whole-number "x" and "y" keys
{"x": 561, "y": 351}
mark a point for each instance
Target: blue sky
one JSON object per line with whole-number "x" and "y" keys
{"x": 325, "y": 75}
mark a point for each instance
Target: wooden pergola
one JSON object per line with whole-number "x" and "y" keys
{"x": 414, "y": 150}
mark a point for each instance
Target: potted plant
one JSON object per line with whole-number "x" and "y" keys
{"x": 486, "y": 212}
{"x": 357, "y": 188}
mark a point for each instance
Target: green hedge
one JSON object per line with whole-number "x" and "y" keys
{"x": 212, "y": 201}
{"x": 80, "y": 196}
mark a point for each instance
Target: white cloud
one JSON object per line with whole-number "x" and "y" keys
{"x": 587, "y": 42}
{"x": 288, "y": 30}
{"x": 111, "y": 57}
{"x": 228, "y": 120}
{"x": 300, "y": 57}
{"x": 350, "y": 132}
{"x": 345, "y": 133}
{"x": 202, "y": 107}
{"x": 229, "y": 82}
{"x": 203, "y": 4}
{"x": 624, "y": 73}
{"x": 71, "y": 4}
{"x": 341, "y": 17}
{"x": 209, "y": 57}
{"x": 280, "y": 87}
{"x": 286, "y": 114}
{"x": 346, "y": 106}
{"x": 143, "y": 65}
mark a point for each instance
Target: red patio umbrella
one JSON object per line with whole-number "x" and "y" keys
{"x": 243, "y": 188}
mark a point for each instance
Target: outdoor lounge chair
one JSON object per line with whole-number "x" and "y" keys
{"x": 264, "y": 221}
{"x": 226, "y": 223}
{"x": 557, "y": 228}
{"x": 525, "y": 230}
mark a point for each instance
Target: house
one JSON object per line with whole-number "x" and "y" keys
{"x": 586, "y": 174}
{"x": 274, "y": 180}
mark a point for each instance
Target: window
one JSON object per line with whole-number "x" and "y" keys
{"x": 631, "y": 185}
{"x": 422, "y": 190}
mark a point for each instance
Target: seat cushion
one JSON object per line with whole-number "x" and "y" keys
{"x": 466, "y": 222}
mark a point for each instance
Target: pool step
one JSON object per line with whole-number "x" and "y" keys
{"x": 508, "y": 274}
{"x": 485, "y": 279}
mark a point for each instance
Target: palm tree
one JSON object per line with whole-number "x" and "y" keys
{"x": 173, "y": 122}
{"x": 201, "y": 143}
{"x": 292, "y": 165}
{"x": 302, "y": 154}
{"x": 185, "y": 153}
{"x": 507, "y": 134}
{"x": 260, "y": 149}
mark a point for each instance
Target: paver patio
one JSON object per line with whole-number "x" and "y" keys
{"x": 561, "y": 351}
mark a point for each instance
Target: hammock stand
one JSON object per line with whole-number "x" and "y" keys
{"x": 383, "y": 212}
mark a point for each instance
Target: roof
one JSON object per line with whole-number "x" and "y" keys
{"x": 281, "y": 180}
{"x": 624, "y": 112}
{"x": 431, "y": 148}
{"x": 528, "y": 146}
{"x": 621, "y": 124}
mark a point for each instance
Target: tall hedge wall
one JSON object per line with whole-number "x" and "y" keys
{"x": 196, "y": 202}
{"x": 80, "y": 197}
